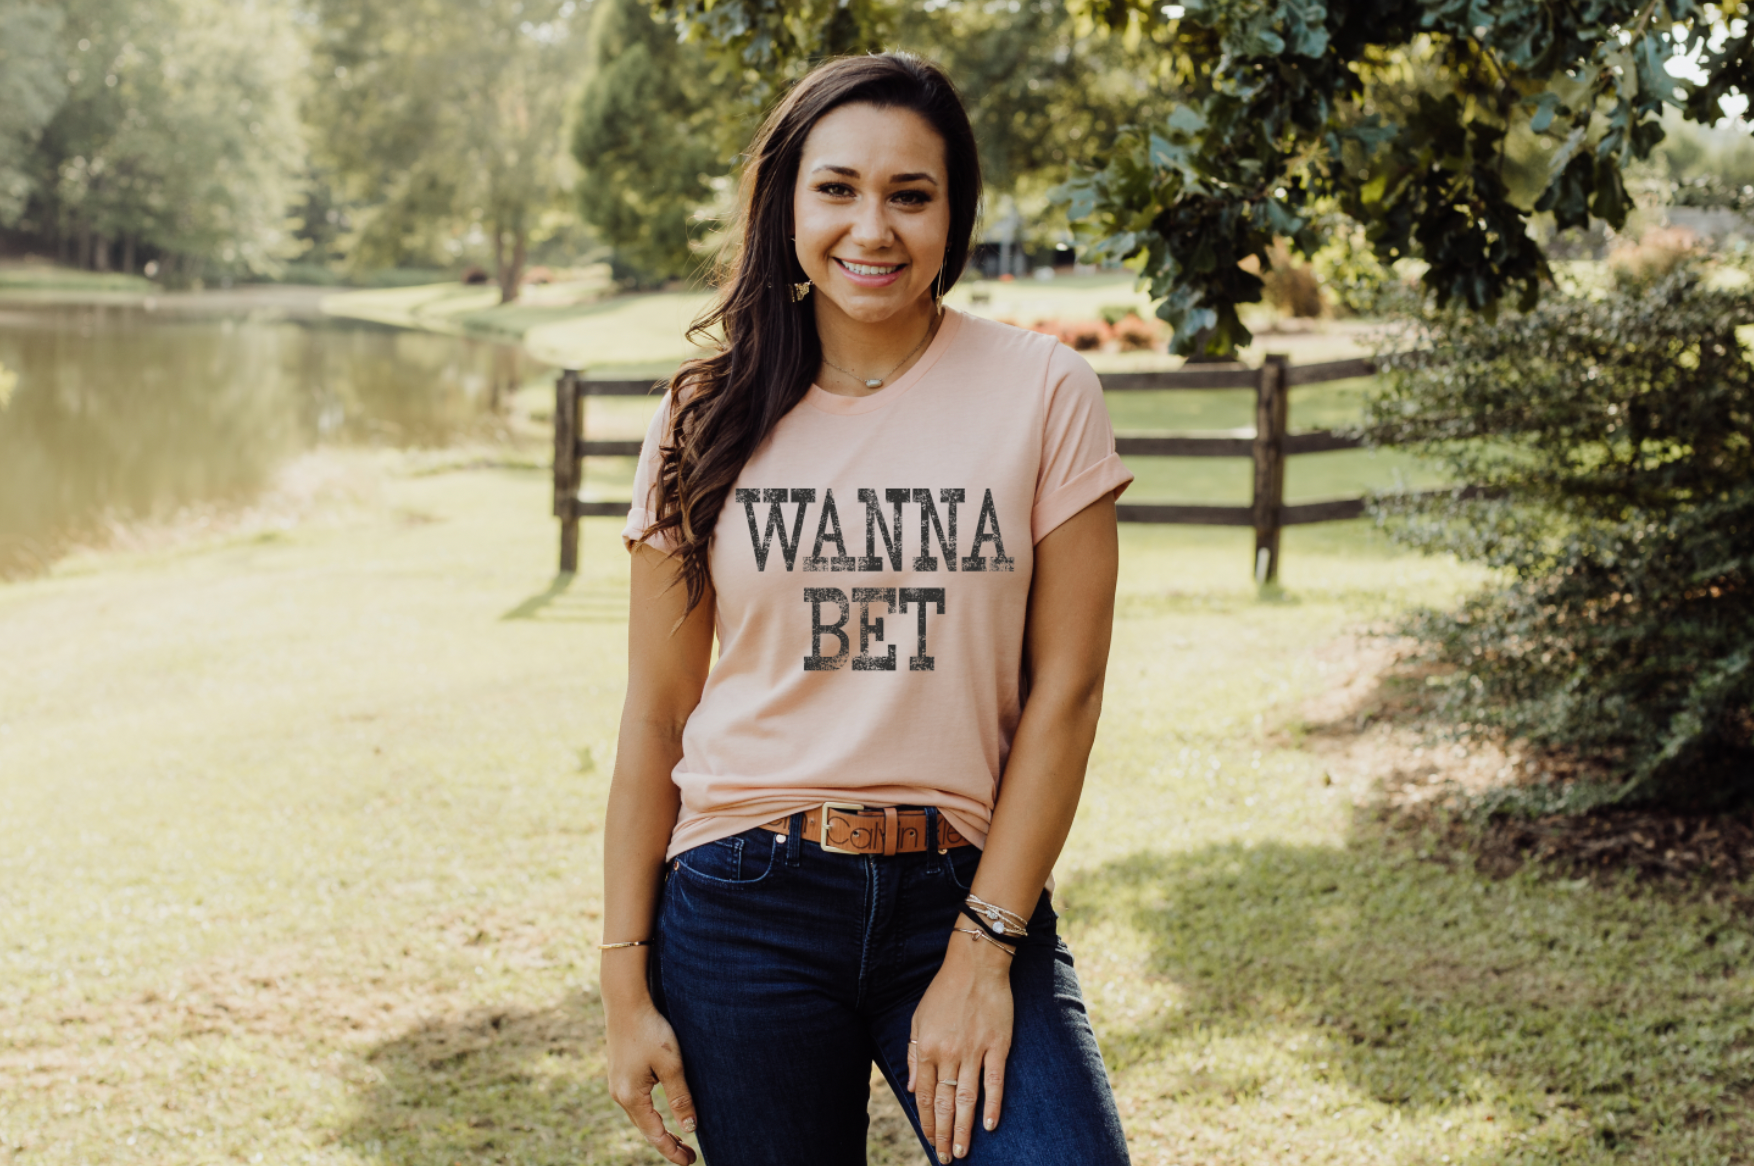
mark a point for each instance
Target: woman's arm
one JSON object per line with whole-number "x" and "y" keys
{"x": 963, "y": 1024}
{"x": 667, "y": 660}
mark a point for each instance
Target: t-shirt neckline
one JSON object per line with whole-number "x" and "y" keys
{"x": 829, "y": 402}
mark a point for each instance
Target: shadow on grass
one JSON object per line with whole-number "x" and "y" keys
{"x": 512, "y": 1085}
{"x": 525, "y": 1086}
{"x": 533, "y": 606}
{"x": 599, "y": 603}
{"x": 1586, "y": 1020}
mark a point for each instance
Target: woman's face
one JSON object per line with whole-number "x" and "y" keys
{"x": 872, "y": 211}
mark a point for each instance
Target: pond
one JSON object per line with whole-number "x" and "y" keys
{"x": 120, "y": 413}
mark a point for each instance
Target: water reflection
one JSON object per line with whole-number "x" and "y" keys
{"x": 119, "y": 413}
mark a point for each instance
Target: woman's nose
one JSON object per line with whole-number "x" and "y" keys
{"x": 871, "y": 225}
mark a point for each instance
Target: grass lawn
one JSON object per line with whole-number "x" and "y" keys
{"x": 44, "y": 277}
{"x": 300, "y": 832}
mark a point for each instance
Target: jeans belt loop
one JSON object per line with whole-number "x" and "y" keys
{"x": 932, "y": 831}
{"x": 795, "y": 840}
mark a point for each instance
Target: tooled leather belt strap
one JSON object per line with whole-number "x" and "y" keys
{"x": 878, "y": 830}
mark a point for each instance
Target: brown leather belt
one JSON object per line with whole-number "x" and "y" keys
{"x": 854, "y": 829}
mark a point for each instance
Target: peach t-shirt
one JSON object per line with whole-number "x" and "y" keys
{"x": 872, "y": 572}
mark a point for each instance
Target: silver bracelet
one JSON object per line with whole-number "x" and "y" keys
{"x": 1003, "y": 921}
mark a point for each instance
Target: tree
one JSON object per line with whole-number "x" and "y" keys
{"x": 1044, "y": 91}
{"x": 1296, "y": 108}
{"x": 1286, "y": 118}
{"x": 441, "y": 119}
{"x": 648, "y": 138}
{"x": 178, "y": 134}
{"x": 32, "y": 88}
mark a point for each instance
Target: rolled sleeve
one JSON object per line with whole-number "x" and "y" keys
{"x": 1079, "y": 464}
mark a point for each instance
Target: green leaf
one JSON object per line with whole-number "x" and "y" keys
{"x": 1546, "y": 105}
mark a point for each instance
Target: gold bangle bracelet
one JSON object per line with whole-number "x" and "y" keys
{"x": 979, "y": 934}
{"x": 629, "y": 943}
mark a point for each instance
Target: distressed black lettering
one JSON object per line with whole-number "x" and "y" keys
{"x": 828, "y": 530}
{"x": 922, "y": 596}
{"x": 776, "y": 523}
{"x": 874, "y": 523}
{"x": 816, "y": 597}
{"x": 945, "y": 531}
{"x": 1001, "y": 562}
{"x": 872, "y": 629}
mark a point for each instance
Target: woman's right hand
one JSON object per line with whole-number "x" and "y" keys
{"x": 643, "y": 1053}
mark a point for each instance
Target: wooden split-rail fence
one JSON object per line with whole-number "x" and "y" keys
{"x": 1267, "y": 446}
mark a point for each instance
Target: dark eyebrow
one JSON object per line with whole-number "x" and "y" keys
{"x": 848, "y": 171}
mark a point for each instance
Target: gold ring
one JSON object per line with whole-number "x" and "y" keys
{"x": 947, "y": 1082}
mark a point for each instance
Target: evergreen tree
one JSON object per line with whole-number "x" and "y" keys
{"x": 648, "y": 138}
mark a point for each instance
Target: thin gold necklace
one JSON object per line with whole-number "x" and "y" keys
{"x": 877, "y": 382}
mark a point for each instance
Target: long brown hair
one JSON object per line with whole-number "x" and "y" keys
{"x": 725, "y": 405}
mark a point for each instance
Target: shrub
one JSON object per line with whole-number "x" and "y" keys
{"x": 1615, "y": 438}
{"x": 1084, "y": 335}
{"x": 1287, "y": 284}
{"x": 1657, "y": 254}
{"x": 1350, "y": 274}
{"x": 1136, "y": 335}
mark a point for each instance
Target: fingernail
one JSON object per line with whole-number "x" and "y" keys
{"x": 688, "y": 1125}
{"x": 957, "y": 1152}
{"x": 944, "y": 1158}
{"x": 990, "y": 1123}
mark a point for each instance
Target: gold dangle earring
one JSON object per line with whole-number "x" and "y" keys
{"x": 799, "y": 290}
{"x": 938, "y": 298}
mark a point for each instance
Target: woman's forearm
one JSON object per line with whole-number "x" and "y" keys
{"x": 643, "y": 801}
{"x": 668, "y": 653}
{"x": 1043, "y": 781}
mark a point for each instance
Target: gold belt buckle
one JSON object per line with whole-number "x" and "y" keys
{"x": 825, "y": 843}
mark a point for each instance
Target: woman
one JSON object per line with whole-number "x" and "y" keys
{"x": 899, "y": 523}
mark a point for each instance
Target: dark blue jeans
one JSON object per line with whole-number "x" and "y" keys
{"x": 786, "y": 970}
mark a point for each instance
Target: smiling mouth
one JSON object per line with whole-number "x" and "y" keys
{"x": 870, "y": 268}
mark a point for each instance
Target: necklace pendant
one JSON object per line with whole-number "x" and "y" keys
{"x": 874, "y": 383}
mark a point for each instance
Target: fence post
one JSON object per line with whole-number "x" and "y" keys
{"x": 568, "y": 422}
{"x": 1271, "y": 401}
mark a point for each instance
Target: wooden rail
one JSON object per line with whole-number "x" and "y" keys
{"x": 1267, "y": 445}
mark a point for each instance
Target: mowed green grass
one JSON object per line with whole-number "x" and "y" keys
{"x": 300, "y": 842}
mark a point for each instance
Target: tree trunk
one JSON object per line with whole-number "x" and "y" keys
{"x": 85, "y": 248}
{"x": 128, "y": 254}
{"x": 511, "y": 275}
{"x": 100, "y": 253}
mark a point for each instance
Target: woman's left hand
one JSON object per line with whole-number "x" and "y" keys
{"x": 961, "y": 1036}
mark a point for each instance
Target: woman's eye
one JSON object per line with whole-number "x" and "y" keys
{"x": 835, "y": 189}
{"x": 913, "y": 197}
